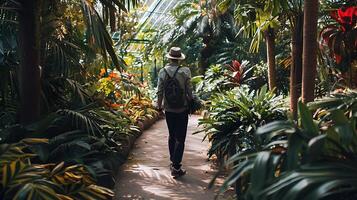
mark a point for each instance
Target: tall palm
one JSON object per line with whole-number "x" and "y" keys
{"x": 259, "y": 20}
{"x": 29, "y": 75}
{"x": 311, "y": 8}
{"x": 296, "y": 60}
{"x": 269, "y": 35}
{"x": 253, "y": 25}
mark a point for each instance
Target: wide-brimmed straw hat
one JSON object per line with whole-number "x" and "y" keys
{"x": 176, "y": 54}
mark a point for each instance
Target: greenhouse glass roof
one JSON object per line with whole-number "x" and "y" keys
{"x": 157, "y": 13}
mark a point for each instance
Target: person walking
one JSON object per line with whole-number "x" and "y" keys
{"x": 174, "y": 93}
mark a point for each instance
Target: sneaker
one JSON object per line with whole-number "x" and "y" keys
{"x": 175, "y": 173}
{"x": 171, "y": 167}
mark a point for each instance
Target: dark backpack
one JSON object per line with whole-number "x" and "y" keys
{"x": 174, "y": 94}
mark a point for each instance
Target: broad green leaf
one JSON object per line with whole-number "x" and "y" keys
{"x": 274, "y": 127}
{"x": 259, "y": 172}
{"x": 307, "y": 121}
{"x": 295, "y": 146}
{"x": 316, "y": 147}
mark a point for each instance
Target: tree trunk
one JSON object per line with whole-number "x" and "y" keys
{"x": 206, "y": 53}
{"x": 311, "y": 8}
{"x": 270, "y": 43}
{"x": 112, "y": 20}
{"x": 203, "y": 61}
{"x": 29, "y": 72}
{"x": 296, "y": 66}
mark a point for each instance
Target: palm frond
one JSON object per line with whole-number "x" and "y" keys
{"x": 98, "y": 37}
{"x": 83, "y": 119}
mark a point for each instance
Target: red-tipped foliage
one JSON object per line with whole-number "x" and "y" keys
{"x": 341, "y": 39}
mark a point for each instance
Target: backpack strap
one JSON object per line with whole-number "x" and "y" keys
{"x": 167, "y": 74}
{"x": 174, "y": 73}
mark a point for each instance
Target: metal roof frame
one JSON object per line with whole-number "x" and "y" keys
{"x": 158, "y": 11}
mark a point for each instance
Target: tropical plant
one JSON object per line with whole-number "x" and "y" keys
{"x": 255, "y": 17}
{"x": 91, "y": 136}
{"x": 261, "y": 77}
{"x": 339, "y": 39}
{"x": 259, "y": 20}
{"x": 328, "y": 79}
{"x": 207, "y": 38}
{"x": 82, "y": 125}
{"x": 234, "y": 117}
{"x": 310, "y": 159}
{"x": 344, "y": 100}
{"x": 116, "y": 87}
{"x": 123, "y": 93}
{"x": 68, "y": 33}
{"x": 22, "y": 179}
{"x": 220, "y": 78}
{"x": 140, "y": 108}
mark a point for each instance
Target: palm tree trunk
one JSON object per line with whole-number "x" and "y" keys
{"x": 270, "y": 43}
{"x": 296, "y": 66}
{"x": 311, "y": 8}
{"x": 112, "y": 20}
{"x": 205, "y": 54}
{"x": 29, "y": 72}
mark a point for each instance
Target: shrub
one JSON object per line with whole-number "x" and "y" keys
{"x": 235, "y": 115}
{"x": 91, "y": 136}
{"x": 221, "y": 78}
{"x": 22, "y": 179}
{"x": 311, "y": 159}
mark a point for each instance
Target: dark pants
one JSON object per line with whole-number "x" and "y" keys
{"x": 177, "y": 125}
